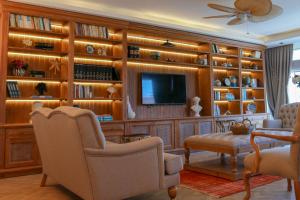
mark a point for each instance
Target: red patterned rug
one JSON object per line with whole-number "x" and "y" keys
{"x": 219, "y": 187}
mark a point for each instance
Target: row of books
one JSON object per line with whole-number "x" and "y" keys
{"x": 95, "y": 72}
{"x": 13, "y": 89}
{"x": 91, "y": 30}
{"x": 133, "y": 52}
{"x": 105, "y": 117}
{"x": 23, "y": 21}
{"x": 83, "y": 91}
{"x": 215, "y": 48}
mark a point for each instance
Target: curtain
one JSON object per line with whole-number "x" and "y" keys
{"x": 278, "y": 67}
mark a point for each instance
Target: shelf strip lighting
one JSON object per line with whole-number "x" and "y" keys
{"x": 92, "y": 100}
{"x": 246, "y": 72}
{"x": 33, "y": 81}
{"x": 57, "y": 25}
{"x": 221, "y": 89}
{"x": 34, "y": 37}
{"x": 158, "y": 65}
{"x": 217, "y": 101}
{"x": 92, "y": 59}
{"x": 32, "y": 100}
{"x": 94, "y": 43}
{"x": 170, "y": 52}
{"x": 93, "y": 83}
{"x": 219, "y": 58}
{"x": 220, "y": 70}
{"x": 245, "y": 61}
{"x": 158, "y": 40}
{"x": 248, "y": 101}
{"x": 32, "y": 55}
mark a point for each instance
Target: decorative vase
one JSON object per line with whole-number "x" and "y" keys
{"x": 131, "y": 114}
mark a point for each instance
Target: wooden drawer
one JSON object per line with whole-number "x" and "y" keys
{"x": 113, "y": 129}
{"x": 139, "y": 128}
{"x": 20, "y": 148}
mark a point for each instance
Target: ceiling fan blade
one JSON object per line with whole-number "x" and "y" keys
{"x": 235, "y": 21}
{"x": 254, "y": 7}
{"x": 219, "y": 16}
{"x": 275, "y": 12}
{"x": 222, "y": 8}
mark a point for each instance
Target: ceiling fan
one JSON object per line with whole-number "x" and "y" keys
{"x": 248, "y": 10}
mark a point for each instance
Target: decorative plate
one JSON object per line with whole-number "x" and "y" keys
{"x": 227, "y": 82}
{"x": 251, "y": 107}
{"x": 89, "y": 49}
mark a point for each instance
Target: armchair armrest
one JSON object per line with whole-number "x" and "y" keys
{"x": 127, "y": 149}
{"x": 274, "y": 123}
{"x": 275, "y": 129}
{"x": 292, "y": 139}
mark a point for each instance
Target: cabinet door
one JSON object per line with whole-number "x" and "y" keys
{"x": 223, "y": 123}
{"x": 2, "y": 147}
{"x": 164, "y": 130}
{"x": 20, "y": 148}
{"x": 185, "y": 129}
{"x": 139, "y": 128}
{"x": 206, "y": 127}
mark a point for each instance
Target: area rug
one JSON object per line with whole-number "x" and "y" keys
{"x": 219, "y": 187}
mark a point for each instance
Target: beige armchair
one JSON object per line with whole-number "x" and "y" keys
{"x": 75, "y": 154}
{"x": 286, "y": 120}
{"x": 283, "y": 161}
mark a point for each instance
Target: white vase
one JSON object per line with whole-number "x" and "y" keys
{"x": 131, "y": 114}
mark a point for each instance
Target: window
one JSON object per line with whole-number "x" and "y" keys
{"x": 293, "y": 90}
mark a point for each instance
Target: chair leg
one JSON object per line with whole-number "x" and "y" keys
{"x": 187, "y": 153}
{"x": 289, "y": 186}
{"x": 172, "y": 191}
{"x": 247, "y": 176}
{"x": 44, "y": 179}
{"x": 297, "y": 189}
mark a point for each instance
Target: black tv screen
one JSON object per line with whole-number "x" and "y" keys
{"x": 163, "y": 89}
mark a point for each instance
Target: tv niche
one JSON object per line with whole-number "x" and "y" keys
{"x": 167, "y": 89}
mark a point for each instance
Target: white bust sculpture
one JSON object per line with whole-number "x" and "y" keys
{"x": 196, "y": 108}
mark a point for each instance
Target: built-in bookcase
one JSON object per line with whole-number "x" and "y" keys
{"x": 101, "y": 45}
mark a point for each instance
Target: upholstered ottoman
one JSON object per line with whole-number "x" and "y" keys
{"x": 225, "y": 143}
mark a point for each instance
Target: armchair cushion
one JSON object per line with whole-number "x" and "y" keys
{"x": 275, "y": 162}
{"x": 173, "y": 163}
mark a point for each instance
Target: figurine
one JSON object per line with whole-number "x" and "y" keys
{"x": 55, "y": 66}
{"x": 196, "y": 107}
{"x": 130, "y": 112}
{"x": 111, "y": 91}
{"x": 41, "y": 88}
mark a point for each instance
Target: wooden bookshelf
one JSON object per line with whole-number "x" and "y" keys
{"x": 192, "y": 55}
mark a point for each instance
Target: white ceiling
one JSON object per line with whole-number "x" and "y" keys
{"x": 188, "y": 15}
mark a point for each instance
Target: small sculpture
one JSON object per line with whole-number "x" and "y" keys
{"x": 27, "y": 42}
{"x": 168, "y": 44}
{"x": 55, "y": 65}
{"x": 131, "y": 114}
{"x": 41, "y": 88}
{"x": 196, "y": 108}
{"x": 111, "y": 91}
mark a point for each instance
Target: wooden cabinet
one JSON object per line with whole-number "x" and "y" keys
{"x": 162, "y": 129}
{"x": 113, "y": 131}
{"x": 187, "y": 128}
{"x": 20, "y": 148}
{"x": 2, "y": 147}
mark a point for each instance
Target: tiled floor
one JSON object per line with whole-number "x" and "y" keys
{"x": 27, "y": 188}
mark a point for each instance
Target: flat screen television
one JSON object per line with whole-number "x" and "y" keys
{"x": 163, "y": 89}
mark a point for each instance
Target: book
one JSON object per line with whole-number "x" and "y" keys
{"x": 12, "y": 20}
{"x": 29, "y": 22}
{"x": 95, "y": 72}
{"x": 91, "y": 31}
{"x": 13, "y": 89}
{"x": 83, "y": 91}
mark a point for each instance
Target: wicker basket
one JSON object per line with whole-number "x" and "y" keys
{"x": 243, "y": 128}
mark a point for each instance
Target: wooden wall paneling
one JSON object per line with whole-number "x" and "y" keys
{"x": 206, "y": 126}
{"x": 159, "y": 111}
{"x": 2, "y": 147}
{"x": 70, "y": 61}
{"x": 204, "y": 80}
{"x": 164, "y": 130}
{"x": 138, "y": 128}
{"x": 20, "y": 148}
{"x": 3, "y": 58}
{"x": 124, "y": 72}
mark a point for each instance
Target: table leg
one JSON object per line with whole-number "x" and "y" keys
{"x": 187, "y": 153}
{"x": 233, "y": 159}
{"x": 222, "y": 158}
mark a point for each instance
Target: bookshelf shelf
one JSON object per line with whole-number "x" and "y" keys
{"x": 38, "y": 52}
{"x": 91, "y": 57}
{"x": 96, "y": 99}
{"x": 166, "y": 63}
{"x": 250, "y": 88}
{"x": 24, "y": 32}
{"x": 251, "y": 59}
{"x": 252, "y": 70}
{"x": 33, "y": 79}
{"x": 221, "y": 88}
{"x": 225, "y": 68}
{"x": 251, "y": 100}
{"x": 33, "y": 99}
{"x": 167, "y": 50}
{"x": 78, "y": 81}
{"x": 96, "y": 40}
{"x": 226, "y": 101}
{"x": 224, "y": 55}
